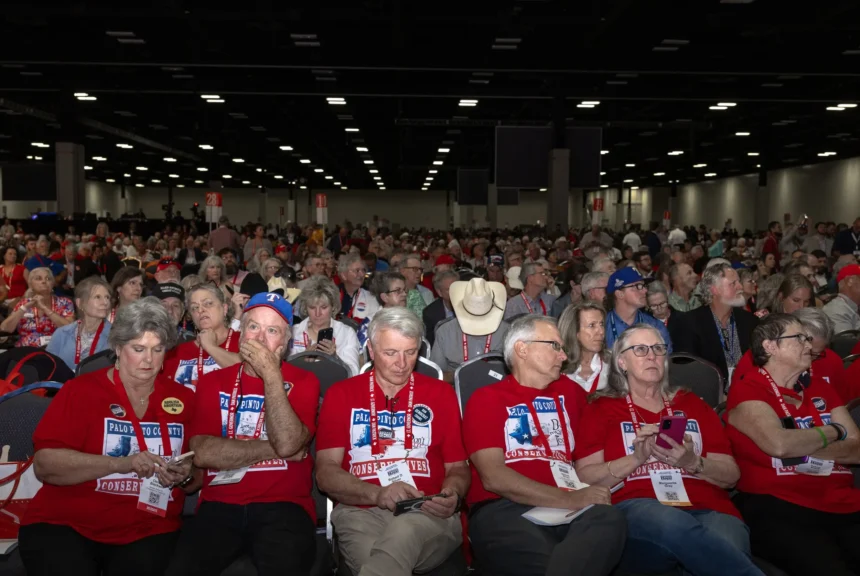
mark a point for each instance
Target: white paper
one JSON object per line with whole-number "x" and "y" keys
{"x": 543, "y": 516}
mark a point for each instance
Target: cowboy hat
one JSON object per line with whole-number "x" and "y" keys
{"x": 479, "y": 305}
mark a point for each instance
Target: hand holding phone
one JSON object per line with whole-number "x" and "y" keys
{"x": 673, "y": 427}
{"x": 414, "y": 504}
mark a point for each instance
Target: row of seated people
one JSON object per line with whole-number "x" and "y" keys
{"x": 552, "y": 480}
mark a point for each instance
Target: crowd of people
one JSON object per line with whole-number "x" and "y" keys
{"x": 584, "y": 459}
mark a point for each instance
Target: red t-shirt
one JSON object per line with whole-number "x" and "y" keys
{"x": 828, "y": 366}
{"x": 498, "y": 416}
{"x": 181, "y": 362}
{"x": 856, "y": 349}
{"x": 271, "y": 480}
{"x": 606, "y": 425}
{"x": 88, "y": 416}
{"x": 436, "y": 436}
{"x": 762, "y": 474}
{"x": 850, "y": 385}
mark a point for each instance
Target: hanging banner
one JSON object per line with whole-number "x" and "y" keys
{"x": 213, "y": 207}
{"x": 667, "y": 219}
{"x": 597, "y": 211}
{"x": 322, "y": 209}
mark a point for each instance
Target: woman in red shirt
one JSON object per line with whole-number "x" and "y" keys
{"x": 14, "y": 276}
{"x": 793, "y": 441}
{"x": 678, "y": 511}
{"x": 106, "y": 507}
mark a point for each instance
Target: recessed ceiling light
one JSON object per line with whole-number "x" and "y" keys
{"x": 699, "y": 165}
{"x": 827, "y": 153}
{"x": 278, "y": 177}
{"x": 377, "y": 177}
{"x": 154, "y": 181}
{"x": 591, "y": 102}
{"x": 180, "y": 185}
{"x": 329, "y": 177}
{"x": 433, "y": 171}
{"x": 202, "y": 169}
{"x": 634, "y": 187}
{"x": 659, "y": 173}
{"x": 424, "y": 189}
{"x": 374, "y": 171}
{"x": 382, "y": 187}
{"x": 742, "y": 133}
{"x": 286, "y": 148}
{"x": 604, "y": 185}
{"x": 351, "y": 129}
{"x": 87, "y": 98}
{"x": 848, "y": 105}
{"x": 836, "y": 109}
{"x": 141, "y": 168}
{"x": 210, "y": 96}
{"x": 318, "y": 170}
{"x": 173, "y": 175}
{"x": 710, "y": 174}
{"x": 361, "y": 149}
{"x": 238, "y": 160}
{"x": 438, "y": 162}
{"x": 727, "y": 104}
{"x": 630, "y": 165}
{"x": 139, "y": 185}
{"x": 99, "y": 158}
{"x": 259, "y": 169}
{"x": 368, "y": 161}
{"x": 336, "y": 183}
{"x": 305, "y": 161}
{"x": 752, "y": 153}
{"x": 206, "y": 147}
{"x": 468, "y": 101}
{"x": 168, "y": 159}
{"x": 467, "y": 104}
{"x": 604, "y": 151}
{"x": 717, "y": 108}
{"x": 676, "y": 152}
{"x": 88, "y": 167}
{"x": 111, "y": 180}
{"x": 124, "y": 146}
{"x": 127, "y": 175}
{"x": 603, "y": 173}
{"x": 225, "y": 176}
{"x": 198, "y": 181}
{"x": 81, "y": 94}
{"x": 584, "y": 106}
{"x": 444, "y": 150}
{"x": 628, "y": 180}
{"x": 246, "y": 181}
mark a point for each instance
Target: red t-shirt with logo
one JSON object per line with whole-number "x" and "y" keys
{"x": 850, "y": 388}
{"x": 762, "y": 474}
{"x": 271, "y": 480}
{"x": 498, "y": 416}
{"x": 88, "y": 416}
{"x": 181, "y": 362}
{"x": 436, "y": 435}
{"x": 828, "y": 366}
{"x": 606, "y": 425}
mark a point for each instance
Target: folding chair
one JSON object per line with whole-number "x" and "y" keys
{"x": 20, "y": 413}
{"x": 351, "y": 323}
{"x": 328, "y": 369}
{"x": 99, "y": 361}
{"x": 424, "y": 351}
{"x": 478, "y": 372}
{"x": 848, "y": 360}
{"x": 844, "y": 342}
{"x": 697, "y": 375}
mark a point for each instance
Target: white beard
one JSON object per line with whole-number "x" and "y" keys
{"x": 737, "y": 302}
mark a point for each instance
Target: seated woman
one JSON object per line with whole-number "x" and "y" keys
{"x": 126, "y": 286}
{"x": 39, "y": 313}
{"x": 270, "y": 268}
{"x": 674, "y": 498}
{"x": 256, "y": 263}
{"x": 795, "y": 292}
{"x": 318, "y": 304}
{"x": 584, "y": 332}
{"x": 89, "y": 335}
{"x": 749, "y": 280}
{"x": 14, "y": 277}
{"x": 794, "y": 442}
{"x": 214, "y": 270}
{"x": 99, "y": 511}
{"x": 216, "y": 346}
{"x": 658, "y": 302}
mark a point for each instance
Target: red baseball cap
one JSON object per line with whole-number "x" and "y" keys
{"x": 444, "y": 259}
{"x": 281, "y": 248}
{"x": 166, "y": 263}
{"x": 850, "y": 270}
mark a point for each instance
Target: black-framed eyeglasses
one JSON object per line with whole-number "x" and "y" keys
{"x": 637, "y": 286}
{"x": 396, "y": 291}
{"x": 556, "y": 346}
{"x": 641, "y": 350}
{"x": 659, "y": 306}
{"x": 801, "y": 338}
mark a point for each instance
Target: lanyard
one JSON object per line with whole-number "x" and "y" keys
{"x": 466, "y": 346}
{"x": 729, "y": 346}
{"x": 529, "y": 306}
{"x": 375, "y": 449}
{"x": 354, "y": 299}
{"x": 94, "y": 344}
{"x": 135, "y": 422}
{"x": 112, "y": 316}
{"x": 200, "y": 353}
{"x": 596, "y": 379}
{"x": 233, "y": 408}
{"x": 815, "y": 417}
{"x": 614, "y": 329}
{"x": 635, "y": 418}
{"x": 562, "y": 422}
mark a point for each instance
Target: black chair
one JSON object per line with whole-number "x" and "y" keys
{"x": 329, "y": 370}
{"x": 848, "y": 360}
{"x": 844, "y": 342}
{"x": 20, "y": 413}
{"x": 478, "y": 372}
{"x": 698, "y": 375}
{"x": 423, "y": 366}
{"x": 99, "y": 361}
{"x": 351, "y": 323}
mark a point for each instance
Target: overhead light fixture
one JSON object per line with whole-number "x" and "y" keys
{"x": 603, "y": 173}
{"x": 584, "y": 106}
{"x": 604, "y": 185}
{"x": 382, "y": 187}
{"x": 628, "y": 181}
{"x": 444, "y": 150}
{"x": 368, "y": 161}
{"x": 154, "y": 181}
{"x": 377, "y": 177}
{"x": 202, "y": 169}
{"x": 848, "y": 105}
{"x": 727, "y": 104}
{"x": 374, "y": 171}
{"x": 752, "y": 153}
{"x": 206, "y": 147}
{"x": 88, "y": 167}
{"x": 215, "y": 101}
{"x": 836, "y": 109}
{"x": 173, "y": 175}
{"x": 39, "y": 145}
{"x": 238, "y": 160}
{"x": 630, "y": 165}
{"x": 342, "y": 187}
{"x": 111, "y": 180}
{"x": 336, "y": 183}
{"x": 699, "y": 165}
{"x": 438, "y": 162}
{"x": 259, "y": 169}
{"x": 198, "y": 181}
{"x": 742, "y": 133}
{"x": 226, "y": 176}
{"x": 168, "y": 159}
{"x": 541, "y": 189}
{"x": 124, "y": 146}
{"x": 127, "y": 175}
{"x": 286, "y": 148}
{"x": 676, "y": 152}
{"x": 827, "y": 153}
{"x": 99, "y": 158}
{"x": 318, "y": 170}
{"x": 87, "y": 98}
{"x": 591, "y": 102}
{"x": 710, "y": 174}
{"x": 210, "y": 96}
{"x": 305, "y": 161}
{"x": 329, "y": 177}
{"x": 351, "y": 129}
{"x": 141, "y": 168}
{"x": 278, "y": 177}
{"x": 717, "y": 108}
{"x": 361, "y": 149}
{"x": 634, "y": 187}
{"x": 659, "y": 173}
{"x": 604, "y": 152}
{"x": 138, "y": 185}
{"x": 180, "y": 185}
{"x": 37, "y": 157}
{"x": 424, "y": 189}
{"x": 81, "y": 94}
{"x": 433, "y": 171}
{"x": 246, "y": 181}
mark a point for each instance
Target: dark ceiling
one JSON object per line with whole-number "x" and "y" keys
{"x": 655, "y": 67}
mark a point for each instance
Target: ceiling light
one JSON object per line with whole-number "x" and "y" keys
{"x": 217, "y": 101}
{"x": 259, "y": 169}
{"x": 342, "y": 187}
{"x": 827, "y": 153}
{"x": 468, "y": 101}
{"x": 368, "y": 161}
{"x": 752, "y": 153}
{"x": 699, "y": 165}
{"x": 156, "y": 181}
{"x": 139, "y": 185}
{"x": 742, "y": 133}
{"x": 37, "y": 157}
{"x": 848, "y": 105}
{"x": 198, "y": 181}
{"x": 374, "y": 171}
{"x": 444, "y": 150}
{"x": 127, "y": 175}
{"x": 603, "y": 173}
{"x": 659, "y": 173}
{"x": 168, "y": 159}
{"x": 111, "y": 180}
{"x": 584, "y": 106}
{"x": 238, "y": 160}
{"x": 246, "y": 181}
{"x": 87, "y": 98}
{"x": 278, "y": 177}
{"x": 305, "y": 161}
{"x": 836, "y": 109}
{"x": 377, "y": 177}
{"x": 141, "y": 168}
{"x": 541, "y": 189}
{"x": 361, "y": 149}
{"x": 434, "y": 171}
{"x": 628, "y": 180}
{"x": 634, "y": 187}
{"x": 286, "y": 148}
{"x": 88, "y": 167}
{"x": 202, "y": 169}
{"x": 604, "y": 185}
{"x": 180, "y": 185}
{"x": 351, "y": 129}
{"x": 329, "y": 177}
{"x": 206, "y": 147}
{"x": 39, "y": 144}
{"x": 437, "y": 162}
{"x": 303, "y": 187}
{"x": 710, "y": 174}
{"x": 336, "y": 183}
{"x": 318, "y": 170}
{"x": 81, "y": 94}
{"x": 124, "y": 146}
{"x": 726, "y": 104}
{"x": 424, "y": 189}
{"x": 467, "y": 104}
{"x": 676, "y": 152}
{"x": 630, "y": 165}
{"x": 173, "y": 175}
{"x": 591, "y": 102}
{"x": 717, "y": 108}
{"x": 382, "y": 187}
{"x": 99, "y": 158}
{"x": 210, "y": 96}
{"x": 604, "y": 151}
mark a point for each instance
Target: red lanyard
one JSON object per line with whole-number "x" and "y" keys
{"x": 815, "y": 417}
{"x": 636, "y": 419}
{"x": 529, "y": 306}
{"x": 308, "y": 340}
{"x": 596, "y": 379}
{"x": 135, "y": 422}
{"x": 562, "y": 422}
{"x": 78, "y": 340}
{"x": 200, "y": 353}
{"x": 466, "y": 346}
{"x": 375, "y": 449}
{"x": 234, "y": 407}
{"x": 236, "y": 277}
{"x": 112, "y": 316}
{"x": 354, "y": 302}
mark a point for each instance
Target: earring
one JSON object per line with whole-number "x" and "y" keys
{"x": 116, "y": 364}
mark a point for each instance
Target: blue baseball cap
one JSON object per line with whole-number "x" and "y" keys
{"x": 274, "y": 301}
{"x": 625, "y": 277}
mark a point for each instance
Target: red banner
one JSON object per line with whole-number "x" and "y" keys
{"x": 597, "y": 205}
{"x": 213, "y": 199}
{"x": 322, "y": 201}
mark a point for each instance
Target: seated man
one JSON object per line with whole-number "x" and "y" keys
{"x": 625, "y": 300}
{"x": 386, "y": 436}
{"x": 534, "y": 298}
{"x": 521, "y": 458}
{"x": 172, "y": 296}
{"x": 843, "y": 309}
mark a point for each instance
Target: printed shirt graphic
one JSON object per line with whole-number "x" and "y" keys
{"x": 86, "y": 416}
{"x": 181, "y": 363}
{"x": 497, "y": 416}
{"x": 606, "y": 425}
{"x": 761, "y": 474}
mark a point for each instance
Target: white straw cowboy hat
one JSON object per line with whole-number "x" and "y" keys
{"x": 479, "y": 305}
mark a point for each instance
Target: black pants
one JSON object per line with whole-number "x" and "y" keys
{"x": 801, "y": 540}
{"x": 279, "y": 537}
{"x": 506, "y": 544}
{"x": 51, "y": 549}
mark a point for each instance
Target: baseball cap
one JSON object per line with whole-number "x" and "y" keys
{"x": 497, "y": 260}
{"x": 166, "y": 263}
{"x": 169, "y": 290}
{"x": 273, "y": 301}
{"x": 444, "y": 259}
{"x": 281, "y": 248}
{"x": 850, "y": 270}
{"x": 625, "y": 277}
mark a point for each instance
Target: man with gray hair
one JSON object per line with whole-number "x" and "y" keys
{"x": 603, "y": 264}
{"x": 356, "y": 303}
{"x": 519, "y": 437}
{"x": 594, "y": 286}
{"x": 412, "y": 269}
{"x": 441, "y": 308}
{"x": 388, "y": 436}
{"x": 533, "y": 299}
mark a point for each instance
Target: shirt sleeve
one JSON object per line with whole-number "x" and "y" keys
{"x": 591, "y": 434}
{"x": 483, "y": 422}
{"x": 333, "y": 425}
{"x": 65, "y": 423}
{"x": 452, "y": 446}
{"x": 744, "y": 390}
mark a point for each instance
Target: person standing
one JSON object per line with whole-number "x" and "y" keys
{"x": 224, "y": 237}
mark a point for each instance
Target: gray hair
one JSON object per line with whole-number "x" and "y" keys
{"x": 407, "y": 258}
{"x": 767, "y": 291}
{"x": 442, "y": 276}
{"x": 318, "y": 288}
{"x": 710, "y": 277}
{"x": 344, "y": 262}
{"x": 138, "y": 317}
{"x": 840, "y": 263}
{"x": 216, "y": 292}
{"x": 598, "y": 263}
{"x": 190, "y": 282}
{"x": 274, "y": 261}
{"x": 816, "y": 322}
{"x": 618, "y": 387}
{"x": 771, "y": 327}
{"x": 593, "y": 280}
{"x": 745, "y": 274}
{"x": 715, "y": 261}
{"x": 523, "y": 328}
{"x": 400, "y": 319}
{"x": 381, "y": 283}
{"x": 288, "y": 333}
{"x": 568, "y": 327}
{"x": 84, "y": 289}
{"x": 46, "y": 270}
{"x": 527, "y": 270}
{"x": 657, "y": 288}
{"x": 213, "y": 261}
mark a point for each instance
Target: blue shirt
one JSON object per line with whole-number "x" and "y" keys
{"x": 63, "y": 343}
{"x": 615, "y": 326}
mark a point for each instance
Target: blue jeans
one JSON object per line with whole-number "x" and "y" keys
{"x": 702, "y": 542}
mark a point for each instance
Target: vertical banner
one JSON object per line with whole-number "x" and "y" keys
{"x": 322, "y": 209}
{"x": 597, "y": 211}
{"x": 213, "y": 208}
{"x": 667, "y": 219}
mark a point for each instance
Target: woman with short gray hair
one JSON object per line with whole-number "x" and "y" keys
{"x": 674, "y": 493}
{"x": 111, "y": 495}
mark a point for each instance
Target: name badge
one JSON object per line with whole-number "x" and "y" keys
{"x": 565, "y": 476}
{"x": 729, "y": 379}
{"x": 815, "y": 467}
{"x": 229, "y": 476}
{"x": 153, "y": 496}
{"x": 669, "y": 487}
{"x": 397, "y": 472}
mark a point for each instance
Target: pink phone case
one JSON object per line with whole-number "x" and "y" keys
{"x": 677, "y": 425}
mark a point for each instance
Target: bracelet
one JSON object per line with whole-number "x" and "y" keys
{"x": 823, "y": 436}
{"x": 187, "y": 481}
{"x": 842, "y": 432}
{"x": 609, "y": 468}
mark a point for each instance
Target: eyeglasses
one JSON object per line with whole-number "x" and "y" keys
{"x": 637, "y": 286}
{"x": 396, "y": 291}
{"x": 659, "y": 306}
{"x": 641, "y": 350}
{"x": 801, "y": 338}
{"x": 556, "y": 346}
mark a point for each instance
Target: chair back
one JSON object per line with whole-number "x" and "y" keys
{"x": 844, "y": 342}
{"x": 351, "y": 323}
{"x": 697, "y": 375}
{"x": 424, "y": 351}
{"x": 478, "y": 372}
{"x": 329, "y": 370}
{"x": 20, "y": 413}
{"x": 853, "y": 408}
{"x": 423, "y": 366}
{"x": 848, "y": 360}
{"x": 103, "y": 359}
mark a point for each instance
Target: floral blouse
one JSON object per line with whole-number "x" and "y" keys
{"x": 34, "y": 324}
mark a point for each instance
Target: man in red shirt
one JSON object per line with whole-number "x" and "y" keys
{"x": 771, "y": 241}
{"x": 387, "y": 436}
{"x": 250, "y": 434}
{"x": 519, "y": 437}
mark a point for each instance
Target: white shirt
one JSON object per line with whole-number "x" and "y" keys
{"x": 632, "y": 239}
{"x": 344, "y": 337}
{"x": 677, "y": 236}
{"x": 843, "y": 311}
{"x": 597, "y": 369}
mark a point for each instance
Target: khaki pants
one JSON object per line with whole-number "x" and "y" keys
{"x": 374, "y": 542}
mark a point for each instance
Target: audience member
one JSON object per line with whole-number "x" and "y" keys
{"x": 79, "y": 340}
{"x": 126, "y": 287}
{"x": 441, "y": 308}
{"x": 684, "y": 281}
{"x": 848, "y": 241}
{"x": 583, "y": 328}
{"x": 39, "y": 313}
{"x": 594, "y": 286}
{"x": 533, "y": 299}
{"x": 225, "y": 238}
{"x": 657, "y": 298}
{"x": 256, "y": 243}
{"x": 795, "y": 292}
{"x": 172, "y": 298}
{"x": 642, "y": 263}
{"x": 14, "y": 276}
{"x": 749, "y": 282}
{"x": 625, "y": 299}
{"x": 843, "y": 308}
{"x": 767, "y": 291}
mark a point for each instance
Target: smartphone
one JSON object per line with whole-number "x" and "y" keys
{"x": 413, "y": 504}
{"x": 789, "y": 424}
{"x": 673, "y": 427}
{"x": 180, "y": 458}
{"x": 325, "y": 334}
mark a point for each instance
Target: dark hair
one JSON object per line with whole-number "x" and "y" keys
{"x": 572, "y": 273}
{"x": 819, "y": 253}
{"x": 122, "y": 276}
{"x": 225, "y": 250}
{"x": 772, "y": 224}
{"x": 638, "y": 256}
{"x": 771, "y": 327}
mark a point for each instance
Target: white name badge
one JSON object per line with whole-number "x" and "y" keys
{"x": 815, "y": 467}
{"x": 44, "y": 340}
{"x": 153, "y": 496}
{"x": 669, "y": 487}
{"x": 565, "y": 476}
{"x": 229, "y": 476}
{"x": 397, "y": 472}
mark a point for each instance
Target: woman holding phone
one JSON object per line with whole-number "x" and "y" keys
{"x": 675, "y": 494}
